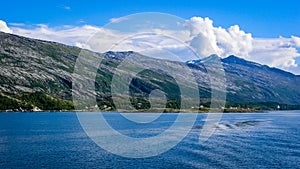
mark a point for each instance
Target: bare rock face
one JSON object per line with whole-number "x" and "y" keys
{"x": 29, "y": 66}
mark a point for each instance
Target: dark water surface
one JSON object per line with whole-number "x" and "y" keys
{"x": 56, "y": 140}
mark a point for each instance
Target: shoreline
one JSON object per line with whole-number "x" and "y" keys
{"x": 165, "y": 110}
{"x": 173, "y": 112}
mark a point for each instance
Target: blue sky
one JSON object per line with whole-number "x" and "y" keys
{"x": 261, "y": 18}
{"x": 264, "y": 31}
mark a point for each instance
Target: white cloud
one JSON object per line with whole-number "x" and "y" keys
{"x": 4, "y": 27}
{"x": 16, "y": 24}
{"x": 218, "y": 40}
{"x": 117, "y": 20}
{"x": 68, "y": 8}
{"x": 276, "y": 52}
{"x": 296, "y": 41}
{"x": 70, "y": 35}
{"x": 201, "y": 34}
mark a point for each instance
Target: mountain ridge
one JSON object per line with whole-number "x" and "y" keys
{"x": 46, "y": 68}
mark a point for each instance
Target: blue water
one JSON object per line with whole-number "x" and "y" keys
{"x": 56, "y": 140}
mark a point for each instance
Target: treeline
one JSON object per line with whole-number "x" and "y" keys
{"x": 7, "y": 103}
{"x": 29, "y": 101}
{"x": 42, "y": 101}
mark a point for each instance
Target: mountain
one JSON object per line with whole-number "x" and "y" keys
{"x": 39, "y": 74}
{"x": 252, "y": 82}
{"x": 255, "y": 82}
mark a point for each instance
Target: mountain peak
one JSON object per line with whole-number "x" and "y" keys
{"x": 211, "y": 58}
{"x": 53, "y": 63}
{"x": 118, "y": 54}
{"x": 232, "y": 59}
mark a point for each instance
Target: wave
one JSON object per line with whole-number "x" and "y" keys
{"x": 236, "y": 125}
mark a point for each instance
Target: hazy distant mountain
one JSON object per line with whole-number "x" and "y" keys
{"x": 35, "y": 70}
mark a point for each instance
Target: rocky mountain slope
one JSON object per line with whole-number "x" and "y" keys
{"x": 252, "y": 82}
{"x": 39, "y": 74}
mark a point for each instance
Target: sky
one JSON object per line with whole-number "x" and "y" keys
{"x": 263, "y": 31}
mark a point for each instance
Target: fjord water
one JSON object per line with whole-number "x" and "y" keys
{"x": 56, "y": 140}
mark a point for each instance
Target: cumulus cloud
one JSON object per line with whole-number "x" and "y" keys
{"x": 296, "y": 41}
{"x": 4, "y": 27}
{"x": 276, "y": 52}
{"x": 203, "y": 38}
{"x": 217, "y": 40}
{"x": 200, "y": 33}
